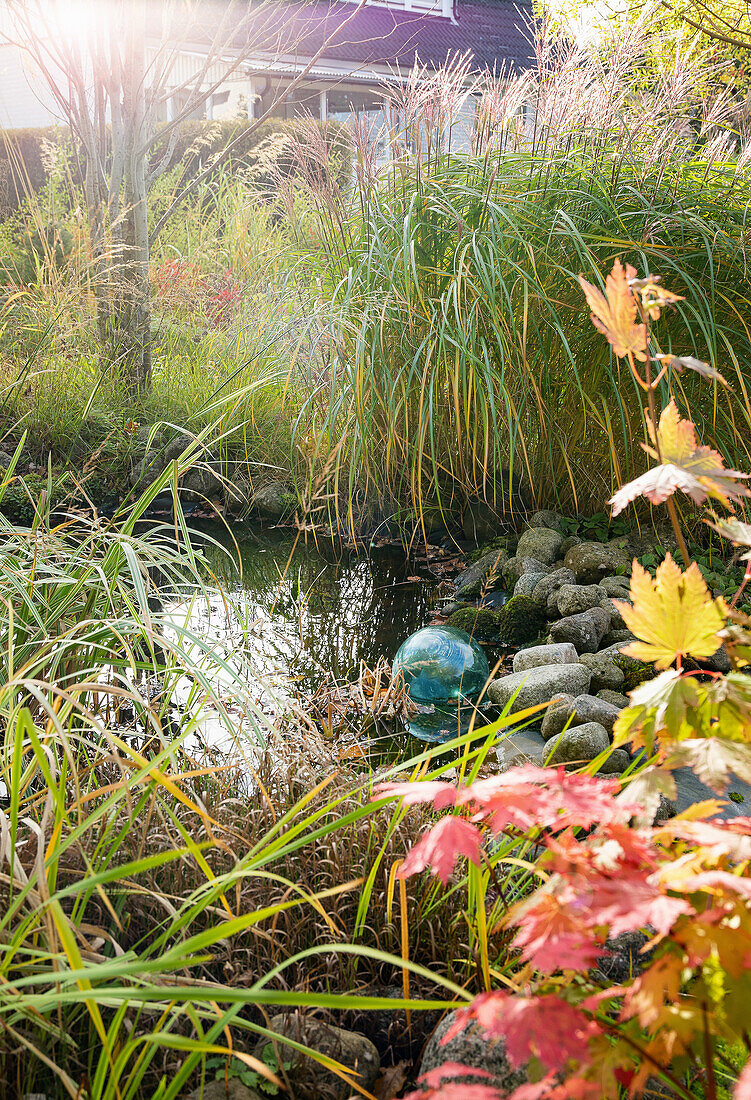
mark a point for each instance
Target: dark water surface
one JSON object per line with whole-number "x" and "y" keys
{"x": 310, "y": 611}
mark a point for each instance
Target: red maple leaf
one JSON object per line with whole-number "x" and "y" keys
{"x": 440, "y": 794}
{"x": 440, "y": 847}
{"x": 742, "y": 1089}
{"x": 543, "y": 1027}
{"x": 552, "y": 936}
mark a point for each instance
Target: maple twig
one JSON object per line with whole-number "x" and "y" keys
{"x": 651, "y": 387}
{"x": 612, "y": 1029}
{"x": 709, "y": 1058}
{"x": 673, "y": 513}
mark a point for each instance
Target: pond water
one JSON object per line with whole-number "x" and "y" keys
{"x": 308, "y": 614}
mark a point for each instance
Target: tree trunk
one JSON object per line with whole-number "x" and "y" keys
{"x": 130, "y": 340}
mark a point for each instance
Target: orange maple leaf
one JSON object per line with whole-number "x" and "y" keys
{"x": 614, "y": 312}
{"x": 697, "y": 471}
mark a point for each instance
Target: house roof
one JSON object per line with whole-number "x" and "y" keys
{"x": 495, "y": 33}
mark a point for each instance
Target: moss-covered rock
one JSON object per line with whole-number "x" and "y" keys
{"x": 480, "y": 622}
{"x": 22, "y": 496}
{"x": 634, "y": 672}
{"x": 520, "y": 620}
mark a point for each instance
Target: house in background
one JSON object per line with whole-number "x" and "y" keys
{"x": 368, "y": 48}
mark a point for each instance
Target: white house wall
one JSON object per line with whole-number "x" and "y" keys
{"x": 24, "y": 101}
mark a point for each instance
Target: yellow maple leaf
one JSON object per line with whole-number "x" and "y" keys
{"x": 696, "y": 470}
{"x": 673, "y": 615}
{"x": 614, "y": 312}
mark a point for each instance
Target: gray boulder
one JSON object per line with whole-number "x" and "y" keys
{"x": 718, "y": 662}
{"x": 545, "y": 518}
{"x": 605, "y": 672}
{"x": 617, "y": 622}
{"x": 482, "y": 575}
{"x": 516, "y": 567}
{"x": 548, "y": 585}
{"x": 352, "y": 1049}
{"x": 617, "y": 588}
{"x": 616, "y": 763}
{"x": 233, "y": 1089}
{"x": 591, "y": 561}
{"x": 585, "y": 631}
{"x": 616, "y": 637}
{"x": 540, "y": 543}
{"x": 572, "y": 540}
{"x": 539, "y": 685}
{"x": 527, "y": 583}
{"x": 578, "y": 744}
{"x": 615, "y": 697}
{"x": 588, "y": 708}
{"x": 575, "y": 598}
{"x": 275, "y": 501}
{"x": 557, "y": 716}
{"x": 562, "y": 654}
{"x": 472, "y": 1048}
{"x": 518, "y": 748}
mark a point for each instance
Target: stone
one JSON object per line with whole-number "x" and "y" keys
{"x": 616, "y": 637}
{"x": 575, "y": 598}
{"x": 616, "y": 763}
{"x": 615, "y": 697}
{"x": 518, "y": 748}
{"x": 585, "y": 631}
{"x": 635, "y": 671}
{"x": 718, "y": 662}
{"x": 527, "y": 583}
{"x": 588, "y": 708}
{"x": 520, "y": 620}
{"x": 625, "y": 957}
{"x": 557, "y": 716}
{"x": 577, "y": 744}
{"x": 352, "y": 1049}
{"x": 572, "y": 540}
{"x": 617, "y": 622}
{"x": 540, "y": 543}
{"x": 516, "y": 567}
{"x": 591, "y": 561}
{"x": 618, "y": 588}
{"x": 605, "y": 672}
{"x": 478, "y": 622}
{"x": 275, "y": 501}
{"x": 233, "y": 1089}
{"x": 666, "y": 809}
{"x": 539, "y": 685}
{"x": 545, "y": 518}
{"x": 482, "y": 575}
{"x": 472, "y": 1048}
{"x": 562, "y": 654}
{"x": 549, "y": 583}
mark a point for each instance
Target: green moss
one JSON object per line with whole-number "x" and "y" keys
{"x": 735, "y": 796}
{"x": 501, "y": 543}
{"x": 634, "y": 672}
{"x": 19, "y": 499}
{"x": 481, "y": 622}
{"x": 521, "y": 620}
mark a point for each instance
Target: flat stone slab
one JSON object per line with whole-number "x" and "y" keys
{"x": 539, "y": 685}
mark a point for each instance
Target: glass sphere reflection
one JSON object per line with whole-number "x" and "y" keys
{"x": 440, "y": 663}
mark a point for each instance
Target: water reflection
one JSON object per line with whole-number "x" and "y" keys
{"x": 304, "y": 611}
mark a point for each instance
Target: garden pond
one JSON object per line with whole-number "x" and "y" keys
{"x": 307, "y": 614}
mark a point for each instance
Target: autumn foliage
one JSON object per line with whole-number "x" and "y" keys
{"x": 605, "y": 867}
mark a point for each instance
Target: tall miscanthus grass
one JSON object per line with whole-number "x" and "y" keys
{"x": 460, "y": 360}
{"x": 160, "y": 900}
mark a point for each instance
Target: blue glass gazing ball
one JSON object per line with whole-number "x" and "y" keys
{"x": 440, "y": 663}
